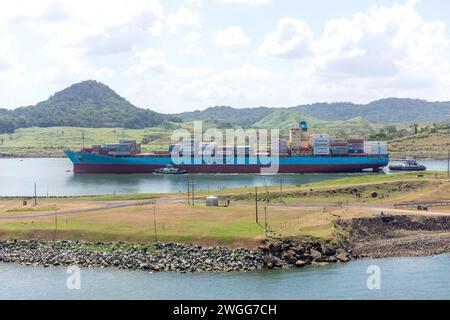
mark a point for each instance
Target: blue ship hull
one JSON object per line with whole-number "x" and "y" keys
{"x": 85, "y": 162}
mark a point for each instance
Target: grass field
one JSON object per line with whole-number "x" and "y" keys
{"x": 37, "y": 142}
{"x": 424, "y": 145}
{"x": 234, "y": 226}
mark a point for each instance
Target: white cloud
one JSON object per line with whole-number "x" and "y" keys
{"x": 231, "y": 55}
{"x": 384, "y": 51}
{"x": 70, "y": 70}
{"x": 292, "y": 40}
{"x": 198, "y": 3}
{"x": 383, "y": 43}
{"x": 192, "y": 37}
{"x": 183, "y": 17}
{"x": 153, "y": 61}
{"x": 6, "y": 55}
{"x": 232, "y": 36}
{"x": 191, "y": 49}
{"x": 247, "y": 2}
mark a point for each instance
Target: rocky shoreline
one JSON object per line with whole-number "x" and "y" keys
{"x": 154, "y": 257}
{"x": 376, "y": 237}
{"x": 292, "y": 253}
{"x": 170, "y": 256}
{"x": 397, "y": 236}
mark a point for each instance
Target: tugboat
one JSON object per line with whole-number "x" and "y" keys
{"x": 170, "y": 169}
{"x": 408, "y": 165}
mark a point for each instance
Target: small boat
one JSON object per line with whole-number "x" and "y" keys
{"x": 170, "y": 169}
{"x": 408, "y": 165}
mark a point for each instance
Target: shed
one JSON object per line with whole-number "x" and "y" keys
{"x": 212, "y": 201}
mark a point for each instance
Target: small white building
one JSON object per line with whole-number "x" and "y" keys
{"x": 212, "y": 201}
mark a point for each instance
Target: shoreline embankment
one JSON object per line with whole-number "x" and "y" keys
{"x": 376, "y": 237}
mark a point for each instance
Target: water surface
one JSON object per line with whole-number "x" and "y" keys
{"x": 401, "y": 278}
{"x": 54, "y": 177}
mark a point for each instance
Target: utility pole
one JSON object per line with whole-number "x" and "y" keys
{"x": 265, "y": 211}
{"x": 256, "y": 205}
{"x": 448, "y": 164}
{"x": 154, "y": 224}
{"x": 188, "y": 192}
{"x": 193, "y": 193}
{"x": 281, "y": 188}
{"x": 35, "y": 195}
{"x": 56, "y": 225}
{"x": 82, "y": 138}
{"x": 265, "y": 222}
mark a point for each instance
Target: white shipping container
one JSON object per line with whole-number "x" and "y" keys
{"x": 321, "y": 149}
{"x": 376, "y": 147}
{"x": 324, "y": 151}
{"x": 321, "y": 136}
{"x": 321, "y": 145}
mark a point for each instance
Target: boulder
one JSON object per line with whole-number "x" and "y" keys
{"x": 292, "y": 253}
{"x": 316, "y": 255}
{"x": 285, "y": 256}
{"x": 300, "y": 263}
{"x": 342, "y": 257}
{"x": 328, "y": 250}
{"x": 299, "y": 249}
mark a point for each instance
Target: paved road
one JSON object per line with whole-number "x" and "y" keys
{"x": 105, "y": 206}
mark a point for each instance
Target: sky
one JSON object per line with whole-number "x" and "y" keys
{"x": 181, "y": 55}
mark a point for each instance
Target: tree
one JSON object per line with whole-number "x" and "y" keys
{"x": 415, "y": 127}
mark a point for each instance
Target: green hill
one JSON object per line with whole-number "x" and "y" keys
{"x": 285, "y": 119}
{"x": 228, "y": 117}
{"x": 385, "y": 111}
{"x": 89, "y": 104}
{"x": 391, "y": 110}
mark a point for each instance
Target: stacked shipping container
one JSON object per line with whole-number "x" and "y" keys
{"x": 375, "y": 148}
{"x": 321, "y": 144}
{"x": 339, "y": 147}
{"x": 356, "y": 146}
{"x": 124, "y": 148}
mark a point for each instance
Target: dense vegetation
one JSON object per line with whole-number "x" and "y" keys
{"x": 6, "y": 123}
{"x": 392, "y": 110}
{"x": 87, "y": 104}
{"x": 228, "y": 117}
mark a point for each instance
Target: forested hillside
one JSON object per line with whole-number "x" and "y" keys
{"x": 88, "y": 104}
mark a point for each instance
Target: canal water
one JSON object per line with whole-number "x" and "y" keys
{"x": 54, "y": 177}
{"x": 400, "y": 278}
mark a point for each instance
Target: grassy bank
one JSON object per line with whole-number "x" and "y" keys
{"x": 310, "y": 213}
{"x": 51, "y": 142}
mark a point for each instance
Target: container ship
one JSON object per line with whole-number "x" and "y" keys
{"x": 300, "y": 153}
